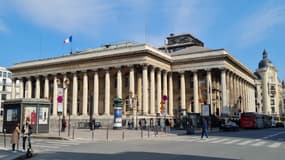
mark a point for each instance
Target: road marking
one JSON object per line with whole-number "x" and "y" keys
{"x": 40, "y": 146}
{"x": 219, "y": 141}
{"x": 259, "y": 143}
{"x": 275, "y": 145}
{"x": 233, "y": 141}
{"x": 272, "y": 135}
{"x": 246, "y": 142}
{"x": 212, "y": 139}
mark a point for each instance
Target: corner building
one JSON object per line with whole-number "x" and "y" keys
{"x": 184, "y": 70}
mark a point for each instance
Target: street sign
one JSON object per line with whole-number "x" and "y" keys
{"x": 164, "y": 97}
{"x": 59, "y": 99}
{"x": 59, "y": 107}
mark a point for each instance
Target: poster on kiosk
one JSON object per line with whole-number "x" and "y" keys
{"x": 117, "y": 113}
{"x": 117, "y": 117}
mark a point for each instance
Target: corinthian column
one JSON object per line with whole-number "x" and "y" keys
{"x": 182, "y": 93}
{"x": 85, "y": 94}
{"x": 74, "y": 94}
{"x": 152, "y": 92}
{"x": 170, "y": 97}
{"x": 107, "y": 93}
{"x": 119, "y": 83}
{"x": 38, "y": 88}
{"x": 21, "y": 88}
{"x": 46, "y": 92}
{"x": 224, "y": 90}
{"x": 158, "y": 90}
{"x": 54, "y": 107}
{"x": 96, "y": 94}
{"x": 196, "y": 95}
{"x": 209, "y": 89}
{"x": 29, "y": 88}
{"x": 132, "y": 81}
{"x": 145, "y": 90}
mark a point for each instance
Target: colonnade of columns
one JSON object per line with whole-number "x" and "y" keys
{"x": 148, "y": 84}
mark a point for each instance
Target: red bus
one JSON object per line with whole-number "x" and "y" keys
{"x": 251, "y": 120}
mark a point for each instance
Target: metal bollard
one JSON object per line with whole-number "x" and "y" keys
{"x": 148, "y": 132}
{"x": 123, "y": 134}
{"x": 73, "y": 132}
{"x": 107, "y": 135}
{"x": 141, "y": 133}
{"x": 92, "y": 135}
{"x": 4, "y": 138}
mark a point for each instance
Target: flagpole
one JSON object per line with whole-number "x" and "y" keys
{"x": 71, "y": 48}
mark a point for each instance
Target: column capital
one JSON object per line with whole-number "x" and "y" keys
{"x": 208, "y": 69}
{"x": 164, "y": 71}
{"x": 145, "y": 65}
{"x": 194, "y": 70}
{"x": 158, "y": 69}
{"x": 181, "y": 72}
{"x": 118, "y": 67}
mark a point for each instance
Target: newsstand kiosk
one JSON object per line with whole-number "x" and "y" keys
{"x": 18, "y": 110}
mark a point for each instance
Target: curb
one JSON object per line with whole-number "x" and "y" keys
{"x": 41, "y": 137}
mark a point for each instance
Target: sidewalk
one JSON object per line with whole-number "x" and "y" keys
{"x": 7, "y": 154}
{"x": 102, "y": 134}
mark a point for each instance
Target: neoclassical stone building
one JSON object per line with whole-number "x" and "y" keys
{"x": 184, "y": 70}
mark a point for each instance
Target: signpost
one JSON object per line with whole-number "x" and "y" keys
{"x": 59, "y": 106}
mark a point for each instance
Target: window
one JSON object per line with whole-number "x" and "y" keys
{"x": 4, "y": 85}
{"x": 5, "y": 74}
{"x": 10, "y": 75}
{"x": 0, "y": 74}
{"x": 4, "y": 97}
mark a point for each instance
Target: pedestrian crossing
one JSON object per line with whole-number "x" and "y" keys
{"x": 235, "y": 141}
{"x": 40, "y": 145}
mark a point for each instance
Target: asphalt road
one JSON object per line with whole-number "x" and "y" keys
{"x": 264, "y": 144}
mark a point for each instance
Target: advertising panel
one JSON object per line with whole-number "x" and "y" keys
{"x": 43, "y": 115}
{"x": 31, "y": 114}
{"x": 12, "y": 115}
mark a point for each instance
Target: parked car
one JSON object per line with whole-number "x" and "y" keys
{"x": 277, "y": 122}
{"x": 229, "y": 126}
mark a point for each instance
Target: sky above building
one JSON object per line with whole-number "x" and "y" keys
{"x": 33, "y": 29}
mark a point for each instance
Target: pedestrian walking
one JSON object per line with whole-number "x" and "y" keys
{"x": 204, "y": 128}
{"x": 15, "y": 137}
{"x": 27, "y": 131}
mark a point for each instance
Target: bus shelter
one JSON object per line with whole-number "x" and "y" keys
{"x": 19, "y": 110}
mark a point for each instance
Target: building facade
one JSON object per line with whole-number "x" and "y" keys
{"x": 269, "y": 91}
{"x": 183, "y": 70}
{"x": 6, "y": 86}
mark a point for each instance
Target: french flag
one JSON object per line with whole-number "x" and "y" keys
{"x": 68, "y": 40}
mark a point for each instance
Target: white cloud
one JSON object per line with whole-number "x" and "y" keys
{"x": 124, "y": 18}
{"x": 66, "y": 15}
{"x": 258, "y": 25}
{"x": 191, "y": 16}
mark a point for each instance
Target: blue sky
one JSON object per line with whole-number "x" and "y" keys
{"x": 33, "y": 29}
